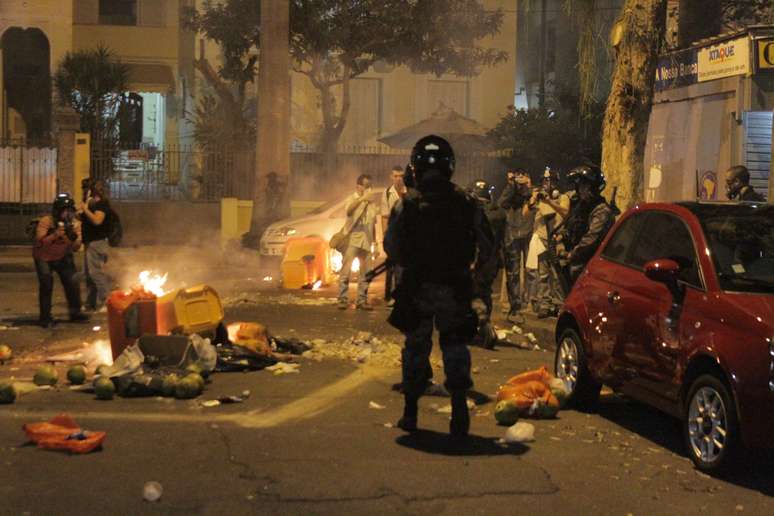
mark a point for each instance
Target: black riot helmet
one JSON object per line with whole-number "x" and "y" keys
{"x": 62, "y": 202}
{"x": 480, "y": 189}
{"x": 432, "y": 153}
{"x": 589, "y": 174}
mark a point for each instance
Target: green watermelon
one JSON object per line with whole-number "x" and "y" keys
{"x": 104, "y": 388}
{"x": 546, "y": 411}
{"x": 7, "y": 393}
{"x": 169, "y": 385}
{"x": 559, "y": 390}
{"x": 198, "y": 379}
{"x": 45, "y": 375}
{"x": 76, "y": 375}
{"x": 187, "y": 388}
{"x": 506, "y": 413}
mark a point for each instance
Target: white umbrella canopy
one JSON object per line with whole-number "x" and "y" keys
{"x": 464, "y": 134}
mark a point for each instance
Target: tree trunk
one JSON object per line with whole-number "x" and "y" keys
{"x": 631, "y": 98}
{"x": 273, "y": 138}
{"x": 333, "y": 123}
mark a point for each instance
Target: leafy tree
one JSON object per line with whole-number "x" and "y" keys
{"x": 537, "y": 138}
{"x": 334, "y": 41}
{"x": 92, "y": 83}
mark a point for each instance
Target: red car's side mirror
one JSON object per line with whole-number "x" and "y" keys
{"x": 662, "y": 270}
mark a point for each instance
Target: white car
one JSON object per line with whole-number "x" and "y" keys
{"x": 323, "y": 222}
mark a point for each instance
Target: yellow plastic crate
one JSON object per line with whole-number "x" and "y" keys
{"x": 193, "y": 310}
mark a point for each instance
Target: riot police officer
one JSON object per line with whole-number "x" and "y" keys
{"x": 485, "y": 275}
{"x": 589, "y": 220}
{"x": 435, "y": 234}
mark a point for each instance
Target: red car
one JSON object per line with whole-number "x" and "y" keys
{"x": 676, "y": 309}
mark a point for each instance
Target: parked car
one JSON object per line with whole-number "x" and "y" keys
{"x": 676, "y": 310}
{"x": 323, "y": 221}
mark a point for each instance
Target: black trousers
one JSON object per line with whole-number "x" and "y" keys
{"x": 65, "y": 268}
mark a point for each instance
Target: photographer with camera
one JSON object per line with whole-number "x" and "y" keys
{"x": 520, "y": 220}
{"x": 95, "y": 217}
{"x": 550, "y": 207}
{"x": 57, "y": 236}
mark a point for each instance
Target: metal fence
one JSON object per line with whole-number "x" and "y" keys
{"x": 27, "y": 173}
{"x": 179, "y": 172}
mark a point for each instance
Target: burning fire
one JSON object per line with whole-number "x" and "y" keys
{"x": 337, "y": 262}
{"x": 153, "y": 283}
{"x": 317, "y": 285}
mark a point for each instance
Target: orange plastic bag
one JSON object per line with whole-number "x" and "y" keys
{"x": 252, "y": 336}
{"x": 538, "y": 375}
{"x": 531, "y": 393}
{"x": 63, "y": 433}
{"x": 525, "y": 394}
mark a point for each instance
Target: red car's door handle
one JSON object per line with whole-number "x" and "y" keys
{"x": 614, "y": 297}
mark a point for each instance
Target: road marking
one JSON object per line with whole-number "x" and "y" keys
{"x": 310, "y": 406}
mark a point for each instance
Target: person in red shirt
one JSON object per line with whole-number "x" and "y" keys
{"x": 57, "y": 236}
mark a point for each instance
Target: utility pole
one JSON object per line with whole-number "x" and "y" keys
{"x": 273, "y": 127}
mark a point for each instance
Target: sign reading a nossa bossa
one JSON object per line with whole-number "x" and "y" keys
{"x": 724, "y": 60}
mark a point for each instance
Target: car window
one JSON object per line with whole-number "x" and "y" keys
{"x": 667, "y": 237}
{"x": 620, "y": 243}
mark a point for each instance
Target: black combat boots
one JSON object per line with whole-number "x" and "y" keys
{"x": 460, "y": 420}
{"x": 410, "y": 409}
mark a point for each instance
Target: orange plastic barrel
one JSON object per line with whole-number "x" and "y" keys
{"x": 305, "y": 262}
{"x": 130, "y": 315}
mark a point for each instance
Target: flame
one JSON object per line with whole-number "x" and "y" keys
{"x": 99, "y": 353}
{"x": 232, "y": 330}
{"x": 317, "y": 285}
{"x": 336, "y": 261}
{"x": 268, "y": 278}
{"x": 153, "y": 283}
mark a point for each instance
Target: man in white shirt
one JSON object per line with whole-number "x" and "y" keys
{"x": 550, "y": 207}
{"x": 391, "y": 196}
{"x": 361, "y": 221}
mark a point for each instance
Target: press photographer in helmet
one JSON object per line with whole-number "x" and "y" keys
{"x": 57, "y": 236}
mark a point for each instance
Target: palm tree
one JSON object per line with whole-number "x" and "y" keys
{"x": 92, "y": 83}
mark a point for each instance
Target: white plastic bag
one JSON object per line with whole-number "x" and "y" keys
{"x": 520, "y": 433}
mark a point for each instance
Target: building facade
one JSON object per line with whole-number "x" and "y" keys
{"x": 35, "y": 35}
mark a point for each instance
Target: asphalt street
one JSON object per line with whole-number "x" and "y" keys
{"x": 317, "y": 442}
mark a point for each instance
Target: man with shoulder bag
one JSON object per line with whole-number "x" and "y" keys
{"x": 355, "y": 241}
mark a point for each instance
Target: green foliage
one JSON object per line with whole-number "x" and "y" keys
{"x": 333, "y": 41}
{"x": 218, "y": 123}
{"x": 738, "y": 13}
{"x": 560, "y": 138}
{"x": 91, "y": 82}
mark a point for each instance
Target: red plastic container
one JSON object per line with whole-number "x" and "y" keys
{"x": 130, "y": 315}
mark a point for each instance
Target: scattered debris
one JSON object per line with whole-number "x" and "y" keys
{"x": 5, "y": 327}
{"x": 375, "y": 406}
{"x": 283, "y": 368}
{"x": 520, "y": 433}
{"x": 63, "y": 433}
{"x": 210, "y": 403}
{"x": 447, "y": 409}
{"x": 5, "y": 353}
{"x": 152, "y": 491}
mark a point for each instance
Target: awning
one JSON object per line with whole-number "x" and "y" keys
{"x": 154, "y": 78}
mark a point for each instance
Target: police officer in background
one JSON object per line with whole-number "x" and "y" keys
{"x": 589, "y": 220}
{"x": 485, "y": 275}
{"x": 435, "y": 234}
